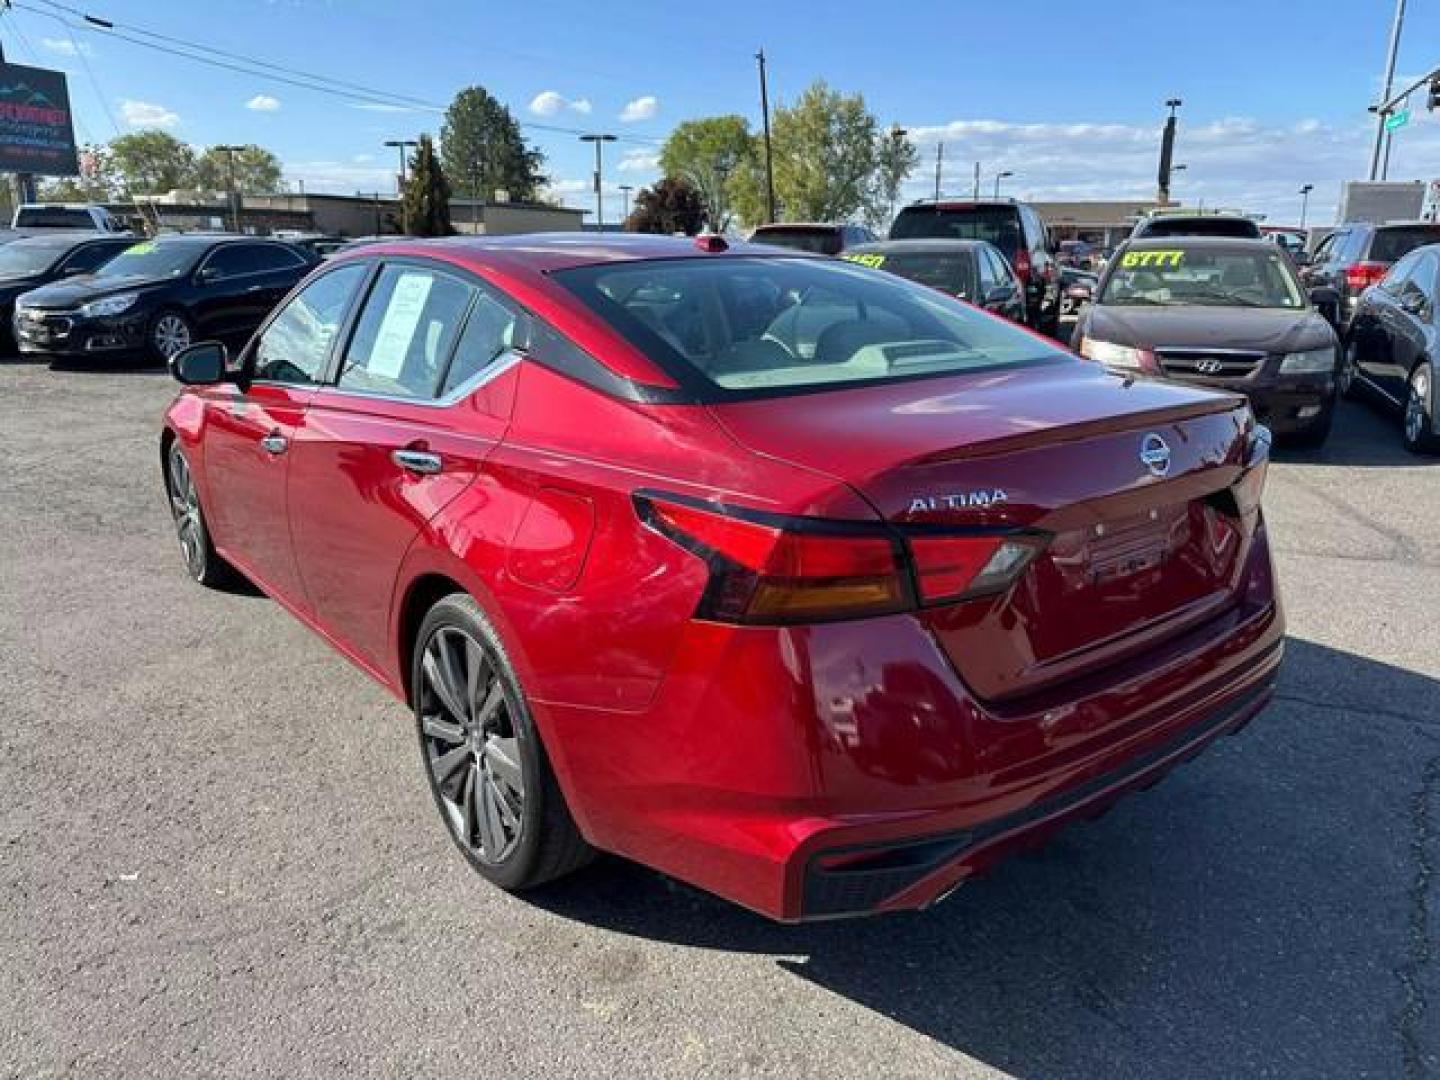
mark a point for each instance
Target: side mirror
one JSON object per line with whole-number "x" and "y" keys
{"x": 206, "y": 274}
{"x": 999, "y": 294}
{"x": 1327, "y": 301}
{"x": 200, "y": 365}
{"x": 1413, "y": 301}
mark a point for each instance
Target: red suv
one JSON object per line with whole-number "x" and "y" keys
{"x": 793, "y": 579}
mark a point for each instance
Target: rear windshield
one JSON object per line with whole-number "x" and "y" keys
{"x": 1241, "y": 228}
{"x": 754, "y": 326}
{"x": 1391, "y": 243}
{"x": 816, "y": 241}
{"x": 1165, "y": 277}
{"x": 948, "y": 271}
{"x": 998, "y": 225}
{"x": 58, "y": 217}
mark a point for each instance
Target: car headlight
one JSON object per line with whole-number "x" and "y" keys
{"x": 1310, "y": 362}
{"x": 1123, "y": 357}
{"x": 111, "y": 305}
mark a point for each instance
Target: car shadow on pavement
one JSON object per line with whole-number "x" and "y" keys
{"x": 1262, "y": 911}
{"x": 1365, "y": 435}
{"x": 128, "y": 365}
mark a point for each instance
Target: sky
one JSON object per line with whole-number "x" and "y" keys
{"x": 1066, "y": 96}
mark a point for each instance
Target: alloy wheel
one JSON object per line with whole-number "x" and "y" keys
{"x": 185, "y": 506}
{"x": 1417, "y": 414}
{"x": 171, "y": 335}
{"x": 1347, "y": 369}
{"x": 467, "y": 727}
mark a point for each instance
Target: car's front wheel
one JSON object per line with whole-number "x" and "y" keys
{"x": 170, "y": 333}
{"x": 487, "y": 770}
{"x": 201, "y": 559}
{"x": 1419, "y": 431}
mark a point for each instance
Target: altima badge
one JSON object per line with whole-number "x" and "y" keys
{"x": 1155, "y": 453}
{"x": 963, "y": 500}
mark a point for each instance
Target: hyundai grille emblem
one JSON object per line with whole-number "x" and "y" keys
{"x": 1155, "y": 453}
{"x": 1209, "y": 366}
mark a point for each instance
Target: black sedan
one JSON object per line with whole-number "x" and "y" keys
{"x": 1393, "y": 346}
{"x": 36, "y": 260}
{"x": 161, "y": 295}
{"x": 973, "y": 270}
{"x": 1220, "y": 312}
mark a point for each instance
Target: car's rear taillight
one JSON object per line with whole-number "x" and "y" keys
{"x": 1023, "y": 266}
{"x": 1362, "y": 275}
{"x": 765, "y": 568}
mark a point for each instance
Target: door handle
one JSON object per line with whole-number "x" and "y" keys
{"x": 419, "y": 462}
{"x": 274, "y": 443}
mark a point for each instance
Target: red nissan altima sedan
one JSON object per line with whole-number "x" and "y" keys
{"x": 795, "y": 580}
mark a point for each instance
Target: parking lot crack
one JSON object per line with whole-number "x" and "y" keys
{"x": 1421, "y": 947}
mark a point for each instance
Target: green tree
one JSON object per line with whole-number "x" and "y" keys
{"x": 708, "y": 152}
{"x": 427, "y": 193}
{"x": 824, "y": 155}
{"x": 671, "y": 205}
{"x": 482, "y": 149}
{"x": 257, "y": 171}
{"x": 895, "y": 158}
{"x": 153, "y": 162}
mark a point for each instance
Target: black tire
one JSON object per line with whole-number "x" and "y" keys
{"x": 1316, "y": 433}
{"x": 477, "y": 740}
{"x": 169, "y": 330}
{"x": 1348, "y": 380}
{"x": 1418, "y": 428}
{"x": 201, "y": 560}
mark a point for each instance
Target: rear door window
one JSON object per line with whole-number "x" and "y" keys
{"x": 490, "y": 332}
{"x": 404, "y": 335}
{"x": 272, "y": 257}
{"x": 1391, "y": 243}
{"x": 230, "y": 261}
{"x": 998, "y": 225}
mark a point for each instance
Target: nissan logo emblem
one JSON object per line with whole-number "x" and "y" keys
{"x": 1155, "y": 453}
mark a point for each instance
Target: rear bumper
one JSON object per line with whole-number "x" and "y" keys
{"x": 845, "y": 769}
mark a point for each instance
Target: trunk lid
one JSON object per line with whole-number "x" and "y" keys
{"x": 1133, "y": 480}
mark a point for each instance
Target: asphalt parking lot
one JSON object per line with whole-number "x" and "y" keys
{"x": 218, "y": 856}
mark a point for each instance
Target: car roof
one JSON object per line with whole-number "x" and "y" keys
{"x": 817, "y": 226}
{"x": 1151, "y": 243}
{"x": 547, "y": 252}
{"x": 896, "y": 247}
{"x": 68, "y": 239}
{"x": 955, "y": 203}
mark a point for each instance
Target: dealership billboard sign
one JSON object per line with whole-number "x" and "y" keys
{"x": 36, "y": 131}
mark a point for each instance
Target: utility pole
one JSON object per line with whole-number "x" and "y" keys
{"x": 476, "y": 168}
{"x": 1167, "y": 153}
{"x": 1380, "y": 115}
{"x": 599, "y": 167}
{"x": 939, "y": 159}
{"x": 401, "y": 145}
{"x": 230, "y": 152}
{"x": 625, "y": 190}
{"x": 976, "y": 194}
{"x": 1305, "y": 202}
{"x": 769, "y": 158}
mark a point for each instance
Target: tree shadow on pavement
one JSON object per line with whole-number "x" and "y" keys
{"x": 1256, "y": 913}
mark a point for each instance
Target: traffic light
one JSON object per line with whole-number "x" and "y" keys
{"x": 1432, "y": 101}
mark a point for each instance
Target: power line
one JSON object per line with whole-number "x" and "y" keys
{"x": 240, "y": 63}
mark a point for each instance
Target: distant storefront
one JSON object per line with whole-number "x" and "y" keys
{"x": 1102, "y": 223}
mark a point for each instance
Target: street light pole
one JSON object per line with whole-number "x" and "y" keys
{"x": 1167, "y": 152}
{"x": 1380, "y": 115}
{"x": 598, "y": 139}
{"x": 401, "y": 145}
{"x": 998, "y": 177}
{"x": 1305, "y": 202}
{"x": 230, "y": 152}
{"x": 625, "y": 190}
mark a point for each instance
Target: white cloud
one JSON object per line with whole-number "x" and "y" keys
{"x": 642, "y": 108}
{"x": 263, "y": 103}
{"x": 639, "y": 161}
{"x": 550, "y": 102}
{"x": 148, "y": 114}
{"x": 1236, "y": 162}
{"x": 361, "y": 159}
{"x": 67, "y": 47}
{"x": 341, "y": 177}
